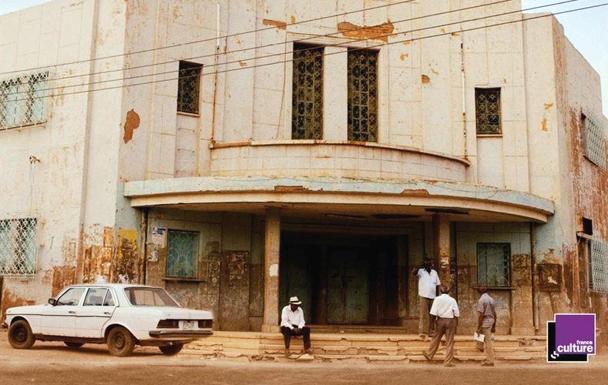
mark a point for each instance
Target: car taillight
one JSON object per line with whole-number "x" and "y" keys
{"x": 205, "y": 323}
{"x": 168, "y": 324}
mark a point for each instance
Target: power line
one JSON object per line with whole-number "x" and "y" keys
{"x": 302, "y": 50}
{"x": 122, "y": 69}
{"x": 334, "y": 53}
{"x": 207, "y": 39}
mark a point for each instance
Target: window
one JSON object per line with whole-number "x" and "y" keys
{"x": 18, "y": 246}
{"x": 182, "y": 256}
{"x": 598, "y": 267}
{"x": 594, "y": 141}
{"x": 362, "y": 95}
{"x": 307, "y": 98}
{"x": 149, "y": 296}
{"x": 71, "y": 297}
{"x": 95, "y": 297}
{"x": 487, "y": 111}
{"x": 188, "y": 87}
{"x": 493, "y": 264}
{"x": 109, "y": 300}
{"x": 22, "y": 100}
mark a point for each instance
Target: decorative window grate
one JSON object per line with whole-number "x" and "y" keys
{"x": 22, "y": 100}
{"x": 493, "y": 266}
{"x": 487, "y": 111}
{"x": 598, "y": 266}
{"x": 18, "y": 246}
{"x": 307, "y": 99}
{"x": 594, "y": 142}
{"x": 188, "y": 84}
{"x": 363, "y": 95}
{"x": 182, "y": 256}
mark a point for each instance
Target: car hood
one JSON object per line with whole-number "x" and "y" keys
{"x": 183, "y": 313}
{"x": 34, "y": 309}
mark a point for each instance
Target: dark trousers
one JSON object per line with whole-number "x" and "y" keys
{"x": 288, "y": 333}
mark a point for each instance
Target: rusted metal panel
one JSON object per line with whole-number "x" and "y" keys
{"x": 348, "y": 286}
{"x": 493, "y": 264}
{"x": 234, "y": 291}
{"x": 550, "y": 276}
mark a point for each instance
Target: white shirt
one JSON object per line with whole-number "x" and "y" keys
{"x": 290, "y": 318}
{"x": 445, "y": 306}
{"x": 427, "y": 283}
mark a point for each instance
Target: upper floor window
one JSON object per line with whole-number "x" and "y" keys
{"x": 307, "y": 97}
{"x": 22, "y": 100}
{"x": 487, "y": 111}
{"x": 493, "y": 266}
{"x": 598, "y": 266}
{"x": 594, "y": 141}
{"x": 188, "y": 87}
{"x": 18, "y": 246}
{"x": 362, "y": 95}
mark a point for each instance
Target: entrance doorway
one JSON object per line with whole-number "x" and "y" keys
{"x": 341, "y": 279}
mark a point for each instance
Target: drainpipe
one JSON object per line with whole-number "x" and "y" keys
{"x": 144, "y": 233}
{"x": 535, "y": 310}
{"x": 464, "y": 94}
{"x": 216, "y": 60}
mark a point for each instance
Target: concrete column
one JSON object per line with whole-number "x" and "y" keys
{"x": 272, "y": 245}
{"x": 335, "y": 94}
{"x": 442, "y": 247}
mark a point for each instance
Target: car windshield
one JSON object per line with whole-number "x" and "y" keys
{"x": 149, "y": 296}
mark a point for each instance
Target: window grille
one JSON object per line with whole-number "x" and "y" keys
{"x": 363, "y": 95}
{"x": 598, "y": 266}
{"x": 493, "y": 266}
{"x": 182, "y": 256}
{"x": 307, "y": 98}
{"x": 487, "y": 110}
{"x": 23, "y": 100}
{"x": 18, "y": 246}
{"x": 188, "y": 87}
{"x": 594, "y": 142}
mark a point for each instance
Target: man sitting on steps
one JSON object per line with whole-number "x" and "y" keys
{"x": 293, "y": 324}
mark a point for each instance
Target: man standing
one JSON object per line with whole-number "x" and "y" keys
{"x": 293, "y": 324}
{"x": 428, "y": 280}
{"x": 486, "y": 323}
{"x": 445, "y": 310}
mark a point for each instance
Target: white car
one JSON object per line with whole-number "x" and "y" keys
{"x": 117, "y": 314}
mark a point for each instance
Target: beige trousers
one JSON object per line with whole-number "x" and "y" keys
{"x": 488, "y": 344}
{"x": 445, "y": 326}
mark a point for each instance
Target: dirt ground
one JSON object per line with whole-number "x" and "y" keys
{"x": 53, "y": 363}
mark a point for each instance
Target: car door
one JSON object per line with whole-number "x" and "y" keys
{"x": 96, "y": 310}
{"x": 60, "y": 320}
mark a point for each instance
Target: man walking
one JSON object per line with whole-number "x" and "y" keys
{"x": 293, "y": 324}
{"x": 486, "y": 324}
{"x": 445, "y": 311}
{"x": 428, "y": 280}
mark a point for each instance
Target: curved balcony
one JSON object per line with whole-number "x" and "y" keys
{"x": 313, "y": 159}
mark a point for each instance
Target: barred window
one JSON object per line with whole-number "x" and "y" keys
{"x": 594, "y": 141}
{"x": 598, "y": 266}
{"x": 182, "y": 256}
{"x": 362, "y": 95}
{"x": 188, "y": 87}
{"x": 307, "y": 94}
{"x": 18, "y": 246}
{"x": 22, "y": 100}
{"x": 487, "y": 111}
{"x": 493, "y": 266}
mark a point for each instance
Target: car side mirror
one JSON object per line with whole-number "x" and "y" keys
{"x": 52, "y": 301}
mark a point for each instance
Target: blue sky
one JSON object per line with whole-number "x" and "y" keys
{"x": 588, "y": 30}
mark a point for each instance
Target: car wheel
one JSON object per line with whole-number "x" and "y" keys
{"x": 171, "y": 350}
{"x": 73, "y": 345}
{"x": 120, "y": 342}
{"x": 20, "y": 335}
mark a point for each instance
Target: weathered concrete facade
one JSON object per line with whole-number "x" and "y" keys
{"x": 114, "y": 166}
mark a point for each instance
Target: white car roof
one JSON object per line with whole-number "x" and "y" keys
{"x": 113, "y": 285}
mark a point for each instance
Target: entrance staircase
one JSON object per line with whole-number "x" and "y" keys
{"x": 369, "y": 347}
